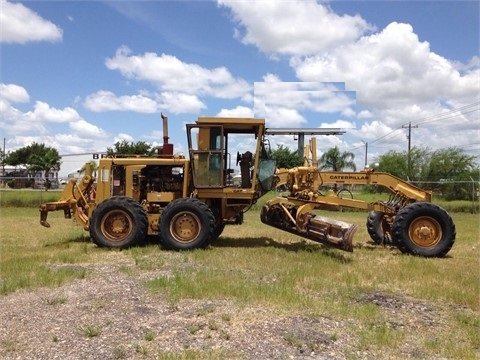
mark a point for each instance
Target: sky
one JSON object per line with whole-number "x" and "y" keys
{"x": 81, "y": 75}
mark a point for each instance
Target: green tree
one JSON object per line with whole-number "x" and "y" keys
{"x": 21, "y": 156}
{"x": 396, "y": 163}
{"x": 286, "y": 158}
{"x": 446, "y": 171}
{"x": 125, "y": 149}
{"x": 35, "y": 157}
{"x": 334, "y": 160}
{"x": 451, "y": 172}
{"x": 93, "y": 167}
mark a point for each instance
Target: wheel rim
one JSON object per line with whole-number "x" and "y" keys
{"x": 185, "y": 227}
{"x": 116, "y": 225}
{"x": 425, "y": 231}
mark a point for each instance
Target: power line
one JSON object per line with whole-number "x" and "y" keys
{"x": 466, "y": 109}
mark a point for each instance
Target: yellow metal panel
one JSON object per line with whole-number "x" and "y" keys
{"x": 161, "y": 196}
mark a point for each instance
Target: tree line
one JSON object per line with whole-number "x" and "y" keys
{"x": 449, "y": 171}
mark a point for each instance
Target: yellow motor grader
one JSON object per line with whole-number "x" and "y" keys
{"x": 186, "y": 203}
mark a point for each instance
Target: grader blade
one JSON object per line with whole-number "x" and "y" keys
{"x": 298, "y": 221}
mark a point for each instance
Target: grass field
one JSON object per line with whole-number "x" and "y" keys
{"x": 253, "y": 264}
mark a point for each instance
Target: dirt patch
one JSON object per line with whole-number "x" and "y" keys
{"x": 110, "y": 315}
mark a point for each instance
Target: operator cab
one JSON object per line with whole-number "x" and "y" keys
{"x": 210, "y": 141}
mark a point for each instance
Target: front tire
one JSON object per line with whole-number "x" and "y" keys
{"x": 118, "y": 222}
{"x": 186, "y": 223}
{"x": 424, "y": 229}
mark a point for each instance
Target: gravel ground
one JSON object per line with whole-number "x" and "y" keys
{"x": 110, "y": 315}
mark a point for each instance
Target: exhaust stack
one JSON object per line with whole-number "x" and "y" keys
{"x": 167, "y": 148}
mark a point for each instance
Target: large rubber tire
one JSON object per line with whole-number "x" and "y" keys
{"x": 185, "y": 224}
{"x": 378, "y": 229}
{"x": 217, "y": 231}
{"x": 424, "y": 229}
{"x": 118, "y": 222}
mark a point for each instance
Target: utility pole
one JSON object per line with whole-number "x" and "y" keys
{"x": 409, "y": 137}
{"x": 366, "y": 152}
{"x": 3, "y": 162}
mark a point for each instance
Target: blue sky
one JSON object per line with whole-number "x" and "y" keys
{"x": 81, "y": 75}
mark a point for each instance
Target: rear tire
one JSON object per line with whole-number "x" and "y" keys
{"x": 186, "y": 223}
{"x": 217, "y": 231}
{"x": 424, "y": 229}
{"x": 378, "y": 228}
{"x": 118, "y": 222}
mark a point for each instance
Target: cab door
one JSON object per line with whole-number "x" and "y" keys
{"x": 207, "y": 152}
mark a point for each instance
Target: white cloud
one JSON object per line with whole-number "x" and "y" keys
{"x": 293, "y": 27}
{"x": 71, "y": 143}
{"x": 123, "y": 137}
{"x": 65, "y": 144}
{"x": 86, "y": 129}
{"x": 180, "y": 103}
{"x": 13, "y": 93}
{"x": 44, "y": 113}
{"x": 21, "y": 140}
{"x": 365, "y": 114}
{"x": 390, "y": 68}
{"x": 271, "y": 78}
{"x": 20, "y": 125}
{"x": 239, "y": 111}
{"x": 289, "y": 104}
{"x": 11, "y": 119}
{"x": 377, "y": 130}
{"x": 19, "y": 24}
{"x": 277, "y": 117}
{"x": 342, "y": 124}
{"x": 170, "y": 74}
{"x": 17, "y": 125}
{"x": 104, "y": 100}
{"x": 154, "y": 135}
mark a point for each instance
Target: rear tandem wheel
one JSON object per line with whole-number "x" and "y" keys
{"x": 423, "y": 229}
{"x": 186, "y": 223}
{"x": 118, "y": 222}
{"x": 379, "y": 228}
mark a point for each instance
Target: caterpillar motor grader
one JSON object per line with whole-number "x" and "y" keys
{"x": 186, "y": 203}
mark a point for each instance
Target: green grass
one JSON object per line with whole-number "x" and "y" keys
{"x": 90, "y": 331}
{"x": 26, "y": 198}
{"x": 256, "y": 265}
{"x": 296, "y": 267}
{"x": 32, "y": 256}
